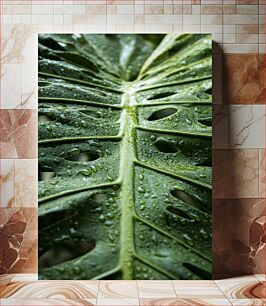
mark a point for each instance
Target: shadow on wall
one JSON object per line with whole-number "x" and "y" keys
{"x": 239, "y": 224}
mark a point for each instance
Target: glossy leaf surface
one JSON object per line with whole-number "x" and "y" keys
{"x": 125, "y": 156}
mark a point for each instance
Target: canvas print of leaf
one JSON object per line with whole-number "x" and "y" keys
{"x": 125, "y": 126}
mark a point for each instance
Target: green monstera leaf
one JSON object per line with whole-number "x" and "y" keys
{"x": 125, "y": 156}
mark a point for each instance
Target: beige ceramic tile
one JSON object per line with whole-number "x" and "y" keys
{"x": 11, "y": 86}
{"x": 178, "y": 9}
{"x": 7, "y": 183}
{"x": 248, "y": 302}
{"x": 262, "y": 170}
{"x": 163, "y": 19}
{"x": 229, "y": 28}
{"x": 97, "y": 9}
{"x": 158, "y": 28}
{"x": 168, "y": 9}
{"x": 229, "y": 38}
{"x": 5, "y": 279}
{"x": 216, "y": 2}
{"x": 248, "y": 28}
{"x": 18, "y": 129}
{"x": 240, "y": 19}
{"x": 42, "y": 9}
{"x": 52, "y": 290}
{"x": 26, "y": 183}
{"x": 42, "y": 20}
{"x": 247, "y": 38}
{"x": 190, "y": 28}
{"x": 242, "y": 287}
{"x": 24, "y": 277}
{"x": 155, "y": 289}
{"x": 210, "y": 28}
{"x": 184, "y": 302}
{"x": 18, "y": 44}
{"x": 118, "y": 290}
{"x": 240, "y": 48}
{"x": 153, "y": 9}
{"x": 212, "y": 19}
{"x": 29, "y": 85}
{"x": 158, "y": 302}
{"x": 247, "y": 1}
{"x": 247, "y": 126}
{"x": 117, "y": 302}
{"x": 229, "y": 9}
{"x": 48, "y": 302}
{"x": 191, "y": 19}
{"x": 260, "y": 277}
{"x": 247, "y": 9}
{"x": 119, "y": 19}
{"x": 211, "y": 9}
{"x": 197, "y": 289}
{"x": 187, "y": 9}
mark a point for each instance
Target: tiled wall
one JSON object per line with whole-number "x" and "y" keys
{"x": 238, "y": 28}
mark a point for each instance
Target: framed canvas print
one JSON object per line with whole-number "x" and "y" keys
{"x": 125, "y": 129}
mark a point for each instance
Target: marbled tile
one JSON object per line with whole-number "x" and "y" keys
{"x": 23, "y": 277}
{"x": 7, "y": 183}
{"x": 18, "y": 134}
{"x": 197, "y": 289}
{"x": 29, "y": 84}
{"x": 262, "y": 172}
{"x": 238, "y": 243}
{"x": 235, "y": 173}
{"x": 184, "y": 302}
{"x": 248, "y": 302}
{"x": 48, "y": 302}
{"x": 243, "y": 79}
{"x": 260, "y": 277}
{"x": 242, "y": 287}
{"x": 26, "y": 183}
{"x": 5, "y": 279}
{"x": 156, "y": 289}
{"x": 220, "y": 126}
{"x": 247, "y": 126}
{"x": 18, "y": 44}
{"x": 118, "y": 290}
{"x": 11, "y": 86}
{"x": 18, "y": 179}
{"x": 18, "y": 231}
{"x": 117, "y": 302}
{"x": 51, "y": 290}
{"x": 159, "y": 302}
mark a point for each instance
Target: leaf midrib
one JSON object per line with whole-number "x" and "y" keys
{"x": 127, "y": 157}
